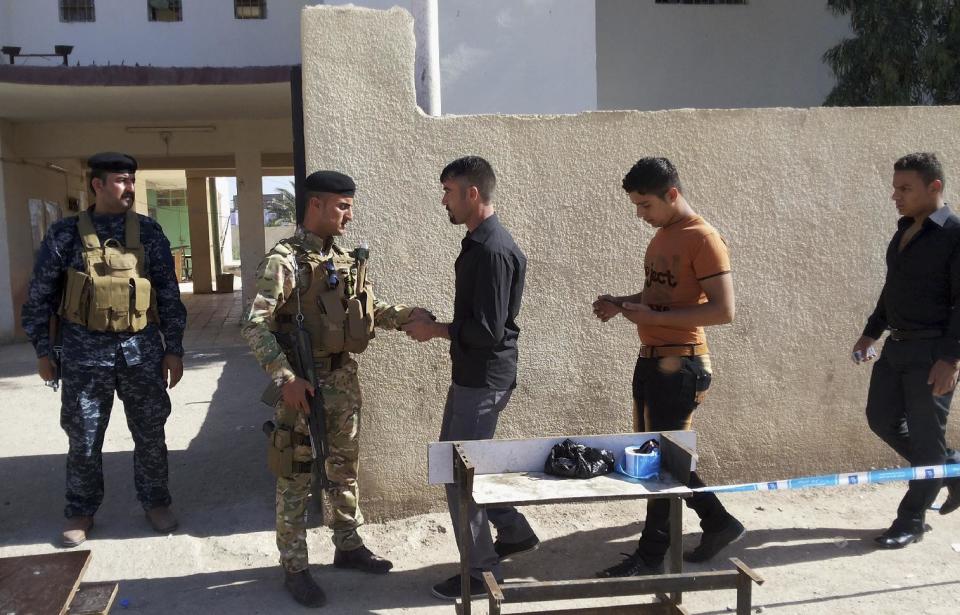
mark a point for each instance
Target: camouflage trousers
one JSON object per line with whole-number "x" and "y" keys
{"x": 85, "y": 411}
{"x": 342, "y": 401}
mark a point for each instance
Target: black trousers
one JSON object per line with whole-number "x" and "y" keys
{"x": 666, "y": 391}
{"x": 904, "y": 412}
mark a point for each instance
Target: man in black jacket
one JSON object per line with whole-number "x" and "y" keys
{"x": 913, "y": 380}
{"x": 483, "y": 347}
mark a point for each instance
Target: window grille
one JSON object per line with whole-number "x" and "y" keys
{"x": 77, "y": 10}
{"x": 164, "y": 10}
{"x": 172, "y": 197}
{"x": 250, "y": 9}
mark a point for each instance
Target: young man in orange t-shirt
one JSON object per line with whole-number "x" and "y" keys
{"x": 688, "y": 285}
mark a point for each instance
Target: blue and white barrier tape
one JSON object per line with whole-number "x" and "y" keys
{"x": 844, "y": 480}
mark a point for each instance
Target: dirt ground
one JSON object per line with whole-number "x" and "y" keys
{"x": 812, "y": 547}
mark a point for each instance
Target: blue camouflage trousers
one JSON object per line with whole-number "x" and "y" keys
{"x": 84, "y": 414}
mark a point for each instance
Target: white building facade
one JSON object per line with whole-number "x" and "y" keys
{"x": 654, "y": 54}
{"x": 208, "y": 32}
{"x": 202, "y": 87}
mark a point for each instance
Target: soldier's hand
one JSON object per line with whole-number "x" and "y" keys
{"x": 47, "y": 368}
{"x": 419, "y": 313}
{"x": 295, "y": 395}
{"x": 172, "y": 370}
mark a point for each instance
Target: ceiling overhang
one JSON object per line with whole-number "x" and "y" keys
{"x": 143, "y": 94}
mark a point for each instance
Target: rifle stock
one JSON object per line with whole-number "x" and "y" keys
{"x": 56, "y": 352}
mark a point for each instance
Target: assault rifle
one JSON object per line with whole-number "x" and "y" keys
{"x": 317, "y": 420}
{"x": 303, "y": 366}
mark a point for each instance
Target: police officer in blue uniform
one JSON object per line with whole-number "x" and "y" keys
{"x": 107, "y": 277}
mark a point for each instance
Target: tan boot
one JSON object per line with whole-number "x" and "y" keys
{"x": 162, "y": 519}
{"x": 75, "y": 531}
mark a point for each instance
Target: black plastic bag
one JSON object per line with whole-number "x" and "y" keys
{"x": 574, "y": 460}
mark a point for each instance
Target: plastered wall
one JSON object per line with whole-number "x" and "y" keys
{"x": 22, "y": 181}
{"x": 801, "y": 195}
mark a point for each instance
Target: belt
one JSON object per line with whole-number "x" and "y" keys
{"x": 332, "y": 363}
{"x": 900, "y": 335}
{"x": 678, "y": 350}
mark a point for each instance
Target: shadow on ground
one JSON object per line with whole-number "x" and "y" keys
{"x": 220, "y": 483}
{"x": 260, "y": 590}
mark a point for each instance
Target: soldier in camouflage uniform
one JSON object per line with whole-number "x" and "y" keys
{"x": 309, "y": 276}
{"x": 109, "y": 275}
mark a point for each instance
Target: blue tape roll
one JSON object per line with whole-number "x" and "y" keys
{"x": 642, "y": 466}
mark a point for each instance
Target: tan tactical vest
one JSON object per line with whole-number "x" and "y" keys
{"x": 113, "y": 294}
{"x": 339, "y": 319}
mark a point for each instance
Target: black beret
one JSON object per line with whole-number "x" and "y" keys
{"x": 112, "y": 162}
{"x": 330, "y": 181}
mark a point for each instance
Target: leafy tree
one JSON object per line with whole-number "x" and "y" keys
{"x": 943, "y": 60}
{"x": 904, "y": 52}
{"x": 282, "y": 209}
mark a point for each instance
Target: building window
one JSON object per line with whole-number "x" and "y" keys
{"x": 250, "y": 9}
{"x": 164, "y": 10}
{"x": 77, "y": 10}
{"x": 172, "y": 197}
{"x": 701, "y": 1}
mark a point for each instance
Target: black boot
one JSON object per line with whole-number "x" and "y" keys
{"x": 712, "y": 543}
{"x": 901, "y": 534}
{"x": 633, "y": 565}
{"x": 361, "y": 559}
{"x": 304, "y": 589}
{"x": 953, "y": 497}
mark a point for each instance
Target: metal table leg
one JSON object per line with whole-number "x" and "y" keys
{"x": 676, "y": 542}
{"x": 463, "y": 472}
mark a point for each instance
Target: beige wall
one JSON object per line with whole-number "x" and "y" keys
{"x": 25, "y": 179}
{"x": 800, "y": 195}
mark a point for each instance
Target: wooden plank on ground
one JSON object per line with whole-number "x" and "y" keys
{"x": 511, "y": 456}
{"x": 41, "y": 583}
{"x": 93, "y": 599}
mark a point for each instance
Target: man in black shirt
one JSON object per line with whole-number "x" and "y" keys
{"x": 913, "y": 380}
{"x": 483, "y": 347}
